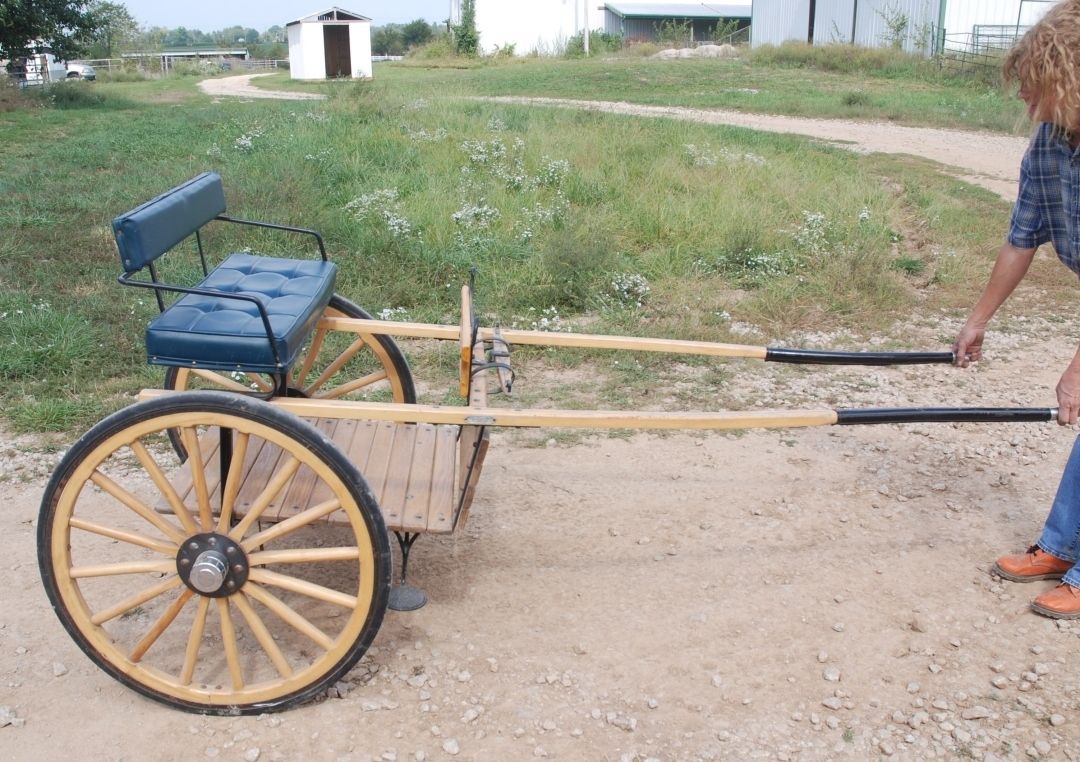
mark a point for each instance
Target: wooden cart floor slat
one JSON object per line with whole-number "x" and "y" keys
{"x": 410, "y": 469}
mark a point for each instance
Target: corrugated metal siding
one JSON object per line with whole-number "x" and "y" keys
{"x": 776, "y": 21}
{"x": 961, "y": 16}
{"x": 832, "y": 21}
{"x": 872, "y": 27}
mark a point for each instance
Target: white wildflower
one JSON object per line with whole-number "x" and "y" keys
{"x": 476, "y": 216}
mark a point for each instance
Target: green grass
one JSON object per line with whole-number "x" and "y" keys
{"x": 565, "y": 214}
{"x": 904, "y": 96}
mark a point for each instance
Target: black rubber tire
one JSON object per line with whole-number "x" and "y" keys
{"x": 236, "y": 409}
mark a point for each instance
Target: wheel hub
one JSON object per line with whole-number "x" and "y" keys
{"x": 211, "y": 564}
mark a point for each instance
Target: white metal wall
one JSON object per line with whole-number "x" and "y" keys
{"x": 962, "y": 15}
{"x": 360, "y": 48}
{"x": 307, "y": 59}
{"x": 528, "y": 25}
{"x": 775, "y": 21}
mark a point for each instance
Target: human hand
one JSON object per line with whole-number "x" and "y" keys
{"x": 968, "y": 346}
{"x": 1068, "y": 396}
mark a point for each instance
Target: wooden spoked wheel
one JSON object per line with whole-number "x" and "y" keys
{"x": 333, "y": 365}
{"x": 209, "y": 597}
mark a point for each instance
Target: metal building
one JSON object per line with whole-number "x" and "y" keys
{"x": 642, "y": 21}
{"x": 914, "y": 25}
{"x": 332, "y": 43}
{"x": 540, "y": 26}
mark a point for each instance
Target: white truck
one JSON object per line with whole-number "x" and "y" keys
{"x": 44, "y": 68}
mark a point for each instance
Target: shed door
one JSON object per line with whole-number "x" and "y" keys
{"x": 336, "y": 48}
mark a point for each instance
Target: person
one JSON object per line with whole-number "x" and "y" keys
{"x": 1046, "y": 65}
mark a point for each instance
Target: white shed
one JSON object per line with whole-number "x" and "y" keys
{"x": 543, "y": 26}
{"x": 333, "y": 43}
{"x": 872, "y": 23}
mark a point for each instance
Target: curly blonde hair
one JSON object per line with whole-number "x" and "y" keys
{"x": 1046, "y": 60}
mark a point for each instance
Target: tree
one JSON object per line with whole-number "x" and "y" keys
{"x": 466, "y": 38}
{"x": 416, "y": 33}
{"x": 387, "y": 41}
{"x": 116, "y": 28}
{"x": 59, "y": 25}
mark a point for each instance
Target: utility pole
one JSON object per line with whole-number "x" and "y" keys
{"x": 587, "y": 31}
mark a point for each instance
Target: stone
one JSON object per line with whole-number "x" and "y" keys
{"x": 451, "y": 747}
{"x": 58, "y": 669}
{"x": 975, "y": 713}
{"x": 831, "y": 674}
{"x": 832, "y": 702}
{"x": 252, "y": 754}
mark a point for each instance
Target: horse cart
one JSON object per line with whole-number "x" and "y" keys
{"x": 222, "y": 545}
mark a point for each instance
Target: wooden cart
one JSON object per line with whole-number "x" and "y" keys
{"x": 222, "y": 545}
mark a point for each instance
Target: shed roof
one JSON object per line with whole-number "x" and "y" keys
{"x": 331, "y": 14}
{"x": 680, "y": 10}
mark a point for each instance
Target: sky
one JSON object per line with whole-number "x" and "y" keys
{"x": 210, "y": 15}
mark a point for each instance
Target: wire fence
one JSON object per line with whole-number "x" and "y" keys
{"x": 978, "y": 52}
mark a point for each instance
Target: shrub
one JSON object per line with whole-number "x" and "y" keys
{"x": 440, "y": 48}
{"x": 599, "y": 42}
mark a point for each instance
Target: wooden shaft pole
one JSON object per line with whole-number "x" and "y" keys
{"x": 546, "y": 338}
{"x": 582, "y": 419}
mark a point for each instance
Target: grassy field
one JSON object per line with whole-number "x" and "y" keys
{"x": 632, "y": 226}
{"x": 823, "y": 82}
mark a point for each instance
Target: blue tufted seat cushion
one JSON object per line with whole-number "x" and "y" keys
{"x": 228, "y": 334}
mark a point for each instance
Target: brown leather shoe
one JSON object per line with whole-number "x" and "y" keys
{"x": 1031, "y": 566}
{"x": 1063, "y": 602}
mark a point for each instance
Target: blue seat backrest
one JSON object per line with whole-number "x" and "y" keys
{"x": 148, "y": 231}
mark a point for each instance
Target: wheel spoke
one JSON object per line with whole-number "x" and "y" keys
{"x": 339, "y": 361}
{"x": 228, "y": 639}
{"x": 136, "y": 600}
{"x": 291, "y": 524}
{"x": 214, "y": 378}
{"x": 263, "y": 635}
{"x": 127, "y": 567}
{"x": 288, "y": 615}
{"x": 190, "y": 438}
{"x": 123, "y": 536}
{"x": 232, "y": 482}
{"x": 163, "y": 484}
{"x": 312, "y": 354}
{"x": 259, "y": 382}
{"x": 132, "y": 502}
{"x": 262, "y": 502}
{"x": 191, "y": 654}
{"x": 303, "y": 556}
{"x": 310, "y": 589}
{"x": 161, "y": 624}
{"x": 352, "y": 386}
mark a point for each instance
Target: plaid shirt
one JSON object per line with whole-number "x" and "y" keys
{"x": 1048, "y": 204}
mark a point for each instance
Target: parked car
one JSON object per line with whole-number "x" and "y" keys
{"x": 81, "y": 71}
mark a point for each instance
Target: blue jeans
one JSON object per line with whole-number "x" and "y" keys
{"x": 1061, "y": 533}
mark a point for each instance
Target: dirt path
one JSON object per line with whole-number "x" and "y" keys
{"x": 985, "y": 159}
{"x": 240, "y": 87}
